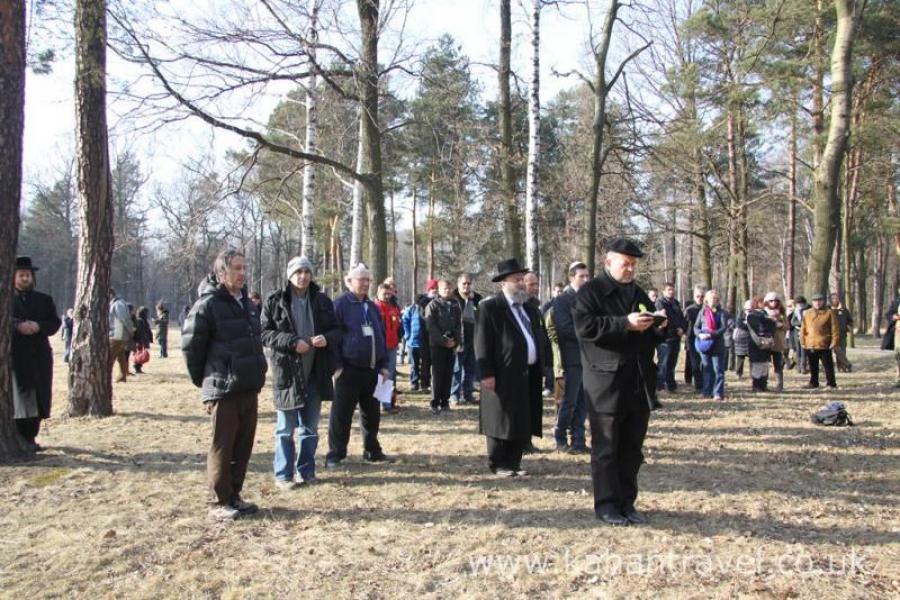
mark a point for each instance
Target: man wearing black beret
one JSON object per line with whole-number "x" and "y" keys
{"x": 617, "y": 335}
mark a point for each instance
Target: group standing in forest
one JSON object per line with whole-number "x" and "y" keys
{"x": 598, "y": 338}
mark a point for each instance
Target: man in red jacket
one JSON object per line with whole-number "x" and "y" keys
{"x": 390, "y": 315}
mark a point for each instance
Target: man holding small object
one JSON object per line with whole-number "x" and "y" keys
{"x": 618, "y": 336}
{"x": 359, "y": 358}
{"x": 299, "y": 328}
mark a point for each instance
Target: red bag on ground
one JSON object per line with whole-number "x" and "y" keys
{"x": 141, "y": 356}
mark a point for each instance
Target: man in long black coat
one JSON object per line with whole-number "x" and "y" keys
{"x": 34, "y": 321}
{"x": 509, "y": 337}
{"x": 618, "y": 339}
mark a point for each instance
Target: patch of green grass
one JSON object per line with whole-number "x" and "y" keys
{"x": 48, "y": 477}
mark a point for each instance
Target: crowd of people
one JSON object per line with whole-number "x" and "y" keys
{"x": 602, "y": 347}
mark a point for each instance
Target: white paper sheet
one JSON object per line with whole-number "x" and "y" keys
{"x": 384, "y": 390}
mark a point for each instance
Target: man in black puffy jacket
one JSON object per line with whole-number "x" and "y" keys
{"x": 299, "y": 328}
{"x": 224, "y": 356}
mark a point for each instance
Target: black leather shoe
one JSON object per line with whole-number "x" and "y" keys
{"x": 376, "y": 457}
{"x": 333, "y": 463}
{"x": 579, "y": 450}
{"x": 614, "y": 519}
{"x": 635, "y": 517}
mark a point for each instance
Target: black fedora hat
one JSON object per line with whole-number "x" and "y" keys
{"x": 507, "y": 267}
{"x": 23, "y": 263}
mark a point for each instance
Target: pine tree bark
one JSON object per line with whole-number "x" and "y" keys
{"x": 532, "y": 191}
{"x": 826, "y": 199}
{"x": 370, "y": 137}
{"x": 90, "y": 376}
{"x": 513, "y": 225}
{"x": 12, "y": 125}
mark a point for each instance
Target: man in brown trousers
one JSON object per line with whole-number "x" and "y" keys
{"x": 224, "y": 355}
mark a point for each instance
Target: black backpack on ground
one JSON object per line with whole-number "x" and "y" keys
{"x": 834, "y": 414}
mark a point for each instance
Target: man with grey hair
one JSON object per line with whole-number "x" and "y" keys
{"x": 618, "y": 336}
{"x": 509, "y": 348}
{"x": 224, "y": 355}
{"x": 299, "y": 328}
{"x": 359, "y": 358}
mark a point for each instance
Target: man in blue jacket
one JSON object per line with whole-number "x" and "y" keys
{"x": 412, "y": 333}
{"x": 360, "y": 357}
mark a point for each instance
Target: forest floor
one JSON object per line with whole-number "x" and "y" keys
{"x": 745, "y": 498}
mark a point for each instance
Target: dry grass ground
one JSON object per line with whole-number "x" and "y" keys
{"x": 747, "y": 498}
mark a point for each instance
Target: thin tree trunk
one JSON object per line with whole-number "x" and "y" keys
{"x": 534, "y": 143}
{"x": 356, "y": 217}
{"x": 826, "y": 200}
{"x": 878, "y": 286}
{"x": 393, "y": 263}
{"x": 512, "y": 228}
{"x": 735, "y": 271}
{"x": 601, "y": 92}
{"x": 415, "y": 244}
{"x": 861, "y": 301}
{"x": 12, "y": 124}
{"x": 309, "y": 169}
{"x": 792, "y": 207}
{"x": 90, "y": 375}
{"x": 430, "y": 233}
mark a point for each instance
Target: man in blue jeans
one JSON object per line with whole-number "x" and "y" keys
{"x": 561, "y": 330}
{"x": 464, "y": 371}
{"x": 668, "y": 349}
{"x": 299, "y": 328}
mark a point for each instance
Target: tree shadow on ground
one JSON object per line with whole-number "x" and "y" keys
{"x": 699, "y": 523}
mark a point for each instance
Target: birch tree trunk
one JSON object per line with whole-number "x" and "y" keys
{"x": 507, "y": 177}
{"x": 12, "y": 124}
{"x": 826, "y": 200}
{"x": 532, "y": 190}
{"x": 356, "y": 216}
{"x": 309, "y": 169}
{"x": 90, "y": 375}
{"x": 792, "y": 208}
{"x": 415, "y": 245}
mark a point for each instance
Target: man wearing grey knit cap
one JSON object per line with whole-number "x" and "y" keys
{"x": 299, "y": 328}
